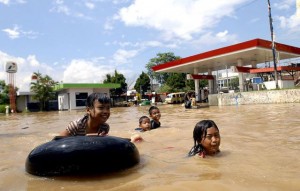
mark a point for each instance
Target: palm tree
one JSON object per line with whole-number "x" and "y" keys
{"x": 43, "y": 89}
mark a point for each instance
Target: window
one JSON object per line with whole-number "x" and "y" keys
{"x": 80, "y": 99}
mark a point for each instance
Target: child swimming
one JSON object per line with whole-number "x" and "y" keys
{"x": 155, "y": 116}
{"x": 94, "y": 120}
{"x": 206, "y": 139}
{"x": 144, "y": 124}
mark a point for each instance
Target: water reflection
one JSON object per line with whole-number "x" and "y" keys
{"x": 259, "y": 150}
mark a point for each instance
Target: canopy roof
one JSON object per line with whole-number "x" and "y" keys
{"x": 257, "y": 50}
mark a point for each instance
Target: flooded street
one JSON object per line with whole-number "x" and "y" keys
{"x": 260, "y": 146}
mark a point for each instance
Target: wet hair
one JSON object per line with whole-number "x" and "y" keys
{"x": 142, "y": 118}
{"x": 199, "y": 133}
{"x": 102, "y": 98}
{"x": 152, "y": 108}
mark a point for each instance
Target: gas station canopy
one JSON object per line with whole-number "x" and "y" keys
{"x": 256, "y": 50}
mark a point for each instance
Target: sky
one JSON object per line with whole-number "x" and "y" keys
{"x": 80, "y": 41}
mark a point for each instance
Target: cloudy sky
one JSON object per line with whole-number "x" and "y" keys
{"x": 80, "y": 41}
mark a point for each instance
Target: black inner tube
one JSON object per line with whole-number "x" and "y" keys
{"x": 82, "y": 155}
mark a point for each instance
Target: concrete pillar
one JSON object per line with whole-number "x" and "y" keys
{"x": 197, "y": 90}
{"x": 241, "y": 77}
{"x": 210, "y": 83}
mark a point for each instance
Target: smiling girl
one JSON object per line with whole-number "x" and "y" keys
{"x": 207, "y": 139}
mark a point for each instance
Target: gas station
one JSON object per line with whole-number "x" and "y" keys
{"x": 243, "y": 58}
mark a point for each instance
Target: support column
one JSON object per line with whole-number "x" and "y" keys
{"x": 197, "y": 90}
{"x": 210, "y": 83}
{"x": 241, "y": 77}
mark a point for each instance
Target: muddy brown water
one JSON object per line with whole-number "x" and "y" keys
{"x": 260, "y": 150}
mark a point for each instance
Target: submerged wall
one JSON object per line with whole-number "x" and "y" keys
{"x": 256, "y": 97}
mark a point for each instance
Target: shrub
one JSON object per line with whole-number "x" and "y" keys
{"x": 2, "y": 108}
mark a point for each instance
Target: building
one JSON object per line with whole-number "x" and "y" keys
{"x": 236, "y": 57}
{"x": 70, "y": 96}
{"x": 73, "y": 95}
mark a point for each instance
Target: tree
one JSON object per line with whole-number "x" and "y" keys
{"x": 234, "y": 83}
{"x": 176, "y": 81}
{"x": 190, "y": 85}
{"x": 4, "y": 91}
{"x": 160, "y": 59}
{"x": 164, "y": 88}
{"x": 118, "y": 79}
{"x": 43, "y": 89}
{"x": 142, "y": 82}
{"x": 203, "y": 83}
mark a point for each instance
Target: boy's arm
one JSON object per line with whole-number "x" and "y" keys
{"x": 65, "y": 133}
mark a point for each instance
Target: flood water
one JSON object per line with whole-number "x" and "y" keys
{"x": 260, "y": 149}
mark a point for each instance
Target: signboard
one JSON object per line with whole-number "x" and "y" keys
{"x": 11, "y": 67}
{"x": 257, "y": 80}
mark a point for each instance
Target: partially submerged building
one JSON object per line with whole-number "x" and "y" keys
{"x": 70, "y": 96}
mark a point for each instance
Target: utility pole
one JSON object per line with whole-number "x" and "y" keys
{"x": 273, "y": 45}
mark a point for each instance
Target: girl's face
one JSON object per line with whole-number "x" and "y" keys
{"x": 155, "y": 114}
{"x": 100, "y": 112}
{"x": 145, "y": 124}
{"x": 212, "y": 141}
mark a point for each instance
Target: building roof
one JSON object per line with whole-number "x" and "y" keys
{"x": 85, "y": 85}
{"x": 257, "y": 50}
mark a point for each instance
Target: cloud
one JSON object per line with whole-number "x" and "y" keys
{"x": 93, "y": 70}
{"x": 119, "y": 1}
{"x": 26, "y": 67}
{"x": 5, "y": 2}
{"x": 291, "y": 24}
{"x": 60, "y": 7}
{"x": 89, "y": 5}
{"x": 108, "y": 25}
{"x": 16, "y": 32}
{"x": 12, "y": 33}
{"x": 122, "y": 56}
{"x": 177, "y": 19}
{"x": 212, "y": 39}
{"x": 285, "y": 4}
{"x": 84, "y": 71}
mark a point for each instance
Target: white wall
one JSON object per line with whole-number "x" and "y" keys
{"x": 270, "y": 85}
{"x": 21, "y": 103}
{"x": 69, "y": 97}
{"x": 63, "y": 101}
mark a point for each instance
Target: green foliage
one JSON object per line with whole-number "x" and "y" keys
{"x": 203, "y": 83}
{"x": 4, "y": 93}
{"x": 142, "y": 82}
{"x": 4, "y": 98}
{"x": 164, "y": 88}
{"x": 118, "y": 79}
{"x": 43, "y": 89}
{"x": 160, "y": 58}
{"x": 2, "y": 108}
{"x": 176, "y": 81}
{"x": 190, "y": 85}
{"x": 234, "y": 83}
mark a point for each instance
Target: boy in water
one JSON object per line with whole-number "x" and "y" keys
{"x": 207, "y": 139}
{"x": 155, "y": 116}
{"x": 144, "y": 124}
{"x": 94, "y": 121}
